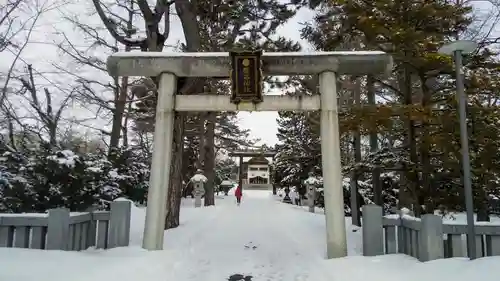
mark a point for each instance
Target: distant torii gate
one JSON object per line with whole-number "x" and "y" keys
{"x": 248, "y": 153}
{"x": 169, "y": 66}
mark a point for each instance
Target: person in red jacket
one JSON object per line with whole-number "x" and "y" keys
{"x": 238, "y": 193}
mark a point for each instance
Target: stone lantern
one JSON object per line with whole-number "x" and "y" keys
{"x": 198, "y": 181}
{"x": 311, "y": 184}
{"x": 225, "y": 186}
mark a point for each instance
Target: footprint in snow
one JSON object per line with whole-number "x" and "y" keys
{"x": 250, "y": 246}
{"x": 240, "y": 277}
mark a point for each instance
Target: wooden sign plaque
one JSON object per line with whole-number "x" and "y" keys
{"x": 246, "y": 76}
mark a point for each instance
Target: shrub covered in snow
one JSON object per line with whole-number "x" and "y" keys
{"x": 365, "y": 191}
{"x": 320, "y": 199}
{"x": 41, "y": 179}
{"x": 131, "y": 173}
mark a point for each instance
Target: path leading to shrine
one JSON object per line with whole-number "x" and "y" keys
{"x": 262, "y": 238}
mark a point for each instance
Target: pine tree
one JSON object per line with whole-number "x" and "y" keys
{"x": 418, "y": 126}
{"x": 298, "y": 151}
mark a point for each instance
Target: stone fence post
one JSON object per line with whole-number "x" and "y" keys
{"x": 119, "y": 224}
{"x": 59, "y": 220}
{"x": 58, "y": 229}
{"x": 431, "y": 238}
{"x": 373, "y": 230}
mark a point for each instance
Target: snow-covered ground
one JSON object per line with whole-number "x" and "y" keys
{"x": 263, "y": 238}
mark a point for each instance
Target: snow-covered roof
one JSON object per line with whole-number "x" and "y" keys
{"x": 199, "y": 178}
{"x": 138, "y": 54}
{"x": 219, "y": 64}
{"x": 258, "y": 160}
{"x": 314, "y": 180}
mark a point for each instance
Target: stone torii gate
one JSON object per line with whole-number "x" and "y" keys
{"x": 169, "y": 66}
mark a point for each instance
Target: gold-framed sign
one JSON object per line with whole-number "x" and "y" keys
{"x": 246, "y": 76}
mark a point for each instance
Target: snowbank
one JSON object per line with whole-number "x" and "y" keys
{"x": 449, "y": 218}
{"x": 263, "y": 238}
{"x": 401, "y": 267}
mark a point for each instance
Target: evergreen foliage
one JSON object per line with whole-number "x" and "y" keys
{"x": 39, "y": 179}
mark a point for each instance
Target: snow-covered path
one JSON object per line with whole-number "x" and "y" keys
{"x": 259, "y": 238}
{"x": 264, "y": 238}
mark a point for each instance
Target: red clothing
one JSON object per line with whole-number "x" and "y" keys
{"x": 238, "y": 192}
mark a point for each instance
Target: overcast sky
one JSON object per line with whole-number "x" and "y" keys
{"x": 52, "y": 29}
{"x": 262, "y": 124}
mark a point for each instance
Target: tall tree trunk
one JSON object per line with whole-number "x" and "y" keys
{"x": 404, "y": 194}
{"x": 480, "y": 195}
{"x": 376, "y": 183}
{"x": 425, "y": 148}
{"x": 411, "y": 145}
{"x": 355, "y": 204}
{"x": 125, "y": 125}
{"x": 120, "y": 96}
{"x": 186, "y": 10}
{"x": 52, "y": 134}
{"x": 175, "y": 190}
{"x": 118, "y": 112}
{"x": 481, "y": 198}
{"x": 210, "y": 159}
{"x": 12, "y": 134}
{"x": 201, "y": 139}
{"x": 481, "y": 203}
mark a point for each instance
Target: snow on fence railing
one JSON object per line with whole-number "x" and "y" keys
{"x": 427, "y": 238}
{"x": 62, "y": 230}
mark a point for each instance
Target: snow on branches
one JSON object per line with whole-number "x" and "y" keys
{"x": 40, "y": 179}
